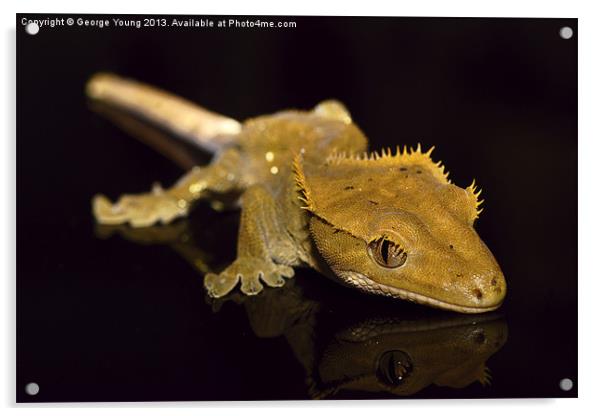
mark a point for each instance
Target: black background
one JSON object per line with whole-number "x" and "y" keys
{"x": 107, "y": 319}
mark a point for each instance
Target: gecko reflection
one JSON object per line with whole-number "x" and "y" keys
{"x": 396, "y": 350}
{"x": 405, "y": 356}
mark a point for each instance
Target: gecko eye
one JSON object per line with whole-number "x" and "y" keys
{"x": 387, "y": 253}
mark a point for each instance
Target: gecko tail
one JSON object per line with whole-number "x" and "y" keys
{"x": 202, "y": 128}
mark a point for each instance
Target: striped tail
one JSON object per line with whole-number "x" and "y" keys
{"x": 210, "y": 131}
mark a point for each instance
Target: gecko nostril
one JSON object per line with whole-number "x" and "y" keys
{"x": 478, "y": 336}
{"x": 493, "y": 281}
{"x": 478, "y": 294}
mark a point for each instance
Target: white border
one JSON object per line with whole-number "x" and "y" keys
{"x": 590, "y": 233}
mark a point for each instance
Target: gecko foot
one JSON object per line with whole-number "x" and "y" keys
{"x": 140, "y": 210}
{"x": 250, "y": 272}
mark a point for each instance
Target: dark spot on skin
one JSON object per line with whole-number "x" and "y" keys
{"x": 458, "y": 274}
{"x": 493, "y": 281}
{"x": 497, "y": 290}
{"x": 369, "y": 179}
{"x": 348, "y": 188}
{"x": 418, "y": 171}
{"x": 478, "y": 294}
{"x": 451, "y": 246}
{"x": 373, "y": 202}
{"x": 403, "y": 169}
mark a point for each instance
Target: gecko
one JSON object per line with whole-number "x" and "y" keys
{"x": 387, "y": 222}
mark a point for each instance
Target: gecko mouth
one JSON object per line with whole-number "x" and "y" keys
{"x": 363, "y": 283}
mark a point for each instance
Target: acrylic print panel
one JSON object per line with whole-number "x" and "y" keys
{"x": 110, "y": 311}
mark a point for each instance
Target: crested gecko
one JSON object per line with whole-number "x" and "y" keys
{"x": 388, "y": 222}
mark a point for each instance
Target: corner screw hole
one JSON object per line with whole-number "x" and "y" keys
{"x": 566, "y": 32}
{"x": 32, "y": 389}
{"x": 566, "y": 384}
{"x": 32, "y": 28}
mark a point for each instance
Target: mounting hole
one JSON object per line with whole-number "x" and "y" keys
{"x": 32, "y": 28}
{"x": 566, "y": 32}
{"x": 32, "y": 389}
{"x": 566, "y": 384}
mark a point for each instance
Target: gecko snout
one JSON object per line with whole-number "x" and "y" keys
{"x": 489, "y": 289}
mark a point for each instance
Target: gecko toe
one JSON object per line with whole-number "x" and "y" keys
{"x": 251, "y": 284}
{"x": 220, "y": 285}
{"x": 105, "y": 212}
{"x": 272, "y": 279}
{"x": 285, "y": 271}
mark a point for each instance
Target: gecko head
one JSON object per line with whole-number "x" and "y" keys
{"x": 392, "y": 224}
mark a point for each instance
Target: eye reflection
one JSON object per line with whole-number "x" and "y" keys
{"x": 393, "y": 367}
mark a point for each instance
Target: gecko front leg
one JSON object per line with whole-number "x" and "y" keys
{"x": 265, "y": 249}
{"x": 164, "y": 205}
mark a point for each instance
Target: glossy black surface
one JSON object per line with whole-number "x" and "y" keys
{"x": 102, "y": 316}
